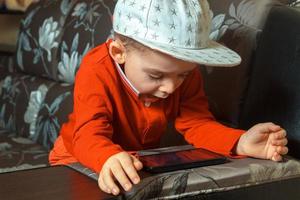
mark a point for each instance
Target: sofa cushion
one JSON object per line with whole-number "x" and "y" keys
{"x": 17, "y": 153}
{"x": 55, "y": 35}
{"x": 39, "y": 38}
{"x": 88, "y": 25}
{"x": 34, "y": 107}
{"x": 273, "y": 93}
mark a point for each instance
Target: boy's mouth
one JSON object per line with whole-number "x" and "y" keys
{"x": 151, "y": 98}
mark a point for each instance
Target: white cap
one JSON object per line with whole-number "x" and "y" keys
{"x": 179, "y": 28}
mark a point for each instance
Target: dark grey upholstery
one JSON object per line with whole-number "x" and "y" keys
{"x": 274, "y": 89}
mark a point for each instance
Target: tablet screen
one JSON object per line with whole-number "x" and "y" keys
{"x": 181, "y": 160}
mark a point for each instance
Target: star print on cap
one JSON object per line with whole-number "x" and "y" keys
{"x": 179, "y": 28}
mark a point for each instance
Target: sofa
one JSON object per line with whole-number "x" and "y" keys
{"x": 37, "y": 75}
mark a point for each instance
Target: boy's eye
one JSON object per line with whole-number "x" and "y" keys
{"x": 155, "y": 77}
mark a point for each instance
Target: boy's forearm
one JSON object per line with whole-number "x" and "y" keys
{"x": 216, "y": 137}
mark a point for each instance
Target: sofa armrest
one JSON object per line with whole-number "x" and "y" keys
{"x": 210, "y": 180}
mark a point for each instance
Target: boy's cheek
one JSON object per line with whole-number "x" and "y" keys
{"x": 147, "y": 88}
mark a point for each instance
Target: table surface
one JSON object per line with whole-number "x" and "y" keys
{"x": 58, "y": 182}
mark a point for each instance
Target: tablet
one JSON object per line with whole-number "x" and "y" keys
{"x": 184, "y": 159}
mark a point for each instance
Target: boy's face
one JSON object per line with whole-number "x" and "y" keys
{"x": 155, "y": 75}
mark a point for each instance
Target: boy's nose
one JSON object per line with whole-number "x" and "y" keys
{"x": 169, "y": 86}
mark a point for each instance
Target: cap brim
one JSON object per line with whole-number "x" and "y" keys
{"x": 214, "y": 54}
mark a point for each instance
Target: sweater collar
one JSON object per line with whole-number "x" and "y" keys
{"x": 126, "y": 80}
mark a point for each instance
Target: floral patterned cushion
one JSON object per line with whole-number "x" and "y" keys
{"x": 39, "y": 37}
{"x": 55, "y": 35}
{"x": 88, "y": 25}
{"x": 34, "y": 107}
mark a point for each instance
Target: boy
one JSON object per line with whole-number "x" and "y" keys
{"x": 128, "y": 88}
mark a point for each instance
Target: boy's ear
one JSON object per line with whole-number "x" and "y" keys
{"x": 117, "y": 51}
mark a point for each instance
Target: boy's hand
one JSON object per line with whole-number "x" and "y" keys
{"x": 121, "y": 167}
{"x": 265, "y": 140}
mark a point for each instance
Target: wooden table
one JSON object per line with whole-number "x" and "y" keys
{"x": 58, "y": 182}
{"x": 288, "y": 189}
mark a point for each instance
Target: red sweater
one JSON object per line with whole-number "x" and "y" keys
{"x": 108, "y": 116}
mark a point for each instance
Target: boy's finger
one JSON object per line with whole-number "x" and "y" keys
{"x": 282, "y": 150}
{"x": 273, "y": 127}
{"x": 137, "y": 163}
{"x": 276, "y": 157}
{"x": 269, "y": 126}
{"x": 102, "y": 185}
{"x": 109, "y": 182}
{"x": 118, "y": 172}
{"x": 280, "y": 142}
{"x": 129, "y": 168}
{"x": 280, "y": 134}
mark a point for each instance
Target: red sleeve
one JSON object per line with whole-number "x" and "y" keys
{"x": 196, "y": 122}
{"x": 92, "y": 135}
